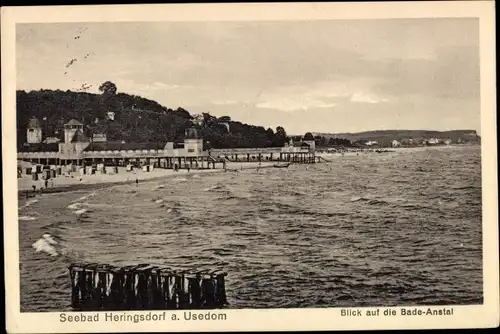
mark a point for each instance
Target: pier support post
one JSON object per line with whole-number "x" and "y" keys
{"x": 144, "y": 287}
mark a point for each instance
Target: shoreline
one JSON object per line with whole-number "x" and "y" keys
{"x": 110, "y": 183}
{"x": 131, "y": 179}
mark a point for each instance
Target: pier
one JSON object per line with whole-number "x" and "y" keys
{"x": 79, "y": 150}
{"x": 96, "y": 287}
{"x": 276, "y": 154}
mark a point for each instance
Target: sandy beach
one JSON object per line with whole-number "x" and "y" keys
{"x": 74, "y": 181}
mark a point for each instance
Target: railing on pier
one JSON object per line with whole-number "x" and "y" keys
{"x": 97, "y": 287}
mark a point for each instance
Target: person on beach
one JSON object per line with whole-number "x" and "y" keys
{"x": 136, "y": 182}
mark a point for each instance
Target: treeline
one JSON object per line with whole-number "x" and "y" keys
{"x": 222, "y": 132}
{"x": 135, "y": 119}
{"x": 322, "y": 141}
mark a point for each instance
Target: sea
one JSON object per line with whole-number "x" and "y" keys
{"x": 400, "y": 228}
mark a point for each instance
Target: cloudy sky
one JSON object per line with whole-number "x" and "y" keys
{"x": 322, "y": 76}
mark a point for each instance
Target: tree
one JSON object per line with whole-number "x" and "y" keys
{"x": 224, "y": 119}
{"x": 108, "y": 88}
{"x": 308, "y": 136}
{"x": 280, "y": 132}
{"x": 320, "y": 141}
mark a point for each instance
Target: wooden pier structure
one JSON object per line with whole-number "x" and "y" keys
{"x": 137, "y": 159}
{"x": 79, "y": 150}
{"x": 96, "y": 287}
{"x": 273, "y": 154}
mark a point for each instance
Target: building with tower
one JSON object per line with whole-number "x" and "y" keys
{"x": 309, "y": 140}
{"x": 75, "y": 141}
{"x": 193, "y": 143}
{"x": 71, "y": 128}
{"x": 34, "y": 131}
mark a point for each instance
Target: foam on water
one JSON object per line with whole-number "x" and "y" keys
{"x": 84, "y": 198}
{"x": 29, "y": 203}
{"x": 26, "y": 218}
{"x": 80, "y": 212}
{"x": 46, "y": 244}
{"x": 180, "y": 179}
{"x": 74, "y": 206}
{"x": 217, "y": 187}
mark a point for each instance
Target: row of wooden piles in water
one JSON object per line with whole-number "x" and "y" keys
{"x": 97, "y": 287}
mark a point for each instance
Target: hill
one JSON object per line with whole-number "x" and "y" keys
{"x": 131, "y": 118}
{"x": 389, "y": 135}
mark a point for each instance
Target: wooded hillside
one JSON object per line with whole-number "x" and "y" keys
{"x": 136, "y": 119}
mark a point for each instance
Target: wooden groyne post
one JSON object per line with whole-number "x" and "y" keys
{"x": 97, "y": 287}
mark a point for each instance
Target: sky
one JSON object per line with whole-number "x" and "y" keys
{"x": 328, "y": 76}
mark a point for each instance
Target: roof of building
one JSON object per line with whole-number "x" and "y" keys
{"x": 121, "y": 146}
{"x": 302, "y": 144}
{"x": 192, "y": 133}
{"x": 73, "y": 122}
{"x": 52, "y": 139}
{"x": 41, "y": 147}
{"x": 79, "y": 137}
{"x": 34, "y": 123}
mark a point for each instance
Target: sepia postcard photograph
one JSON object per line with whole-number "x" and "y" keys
{"x": 250, "y": 167}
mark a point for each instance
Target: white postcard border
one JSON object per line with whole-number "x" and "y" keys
{"x": 486, "y": 315}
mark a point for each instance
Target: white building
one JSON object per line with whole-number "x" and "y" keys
{"x": 99, "y": 137}
{"x": 298, "y": 147}
{"x": 34, "y": 131}
{"x": 395, "y": 143}
{"x": 192, "y": 146}
{"x": 51, "y": 140}
{"x": 306, "y": 144}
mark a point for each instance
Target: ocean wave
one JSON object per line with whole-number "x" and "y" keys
{"x": 79, "y": 213}
{"x": 46, "y": 244}
{"x": 465, "y": 187}
{"x": 29, "y": 203}
{"x": 373, "y": 200}
{"x": 180, "y": 179}
{"x": 86, "y": 197}
{"x": 26, "y": 218}
{"x": 74, "y": 206}
{"x": 217, "y": 187}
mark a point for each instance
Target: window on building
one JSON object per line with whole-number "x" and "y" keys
{"x": 190, "y": 150}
